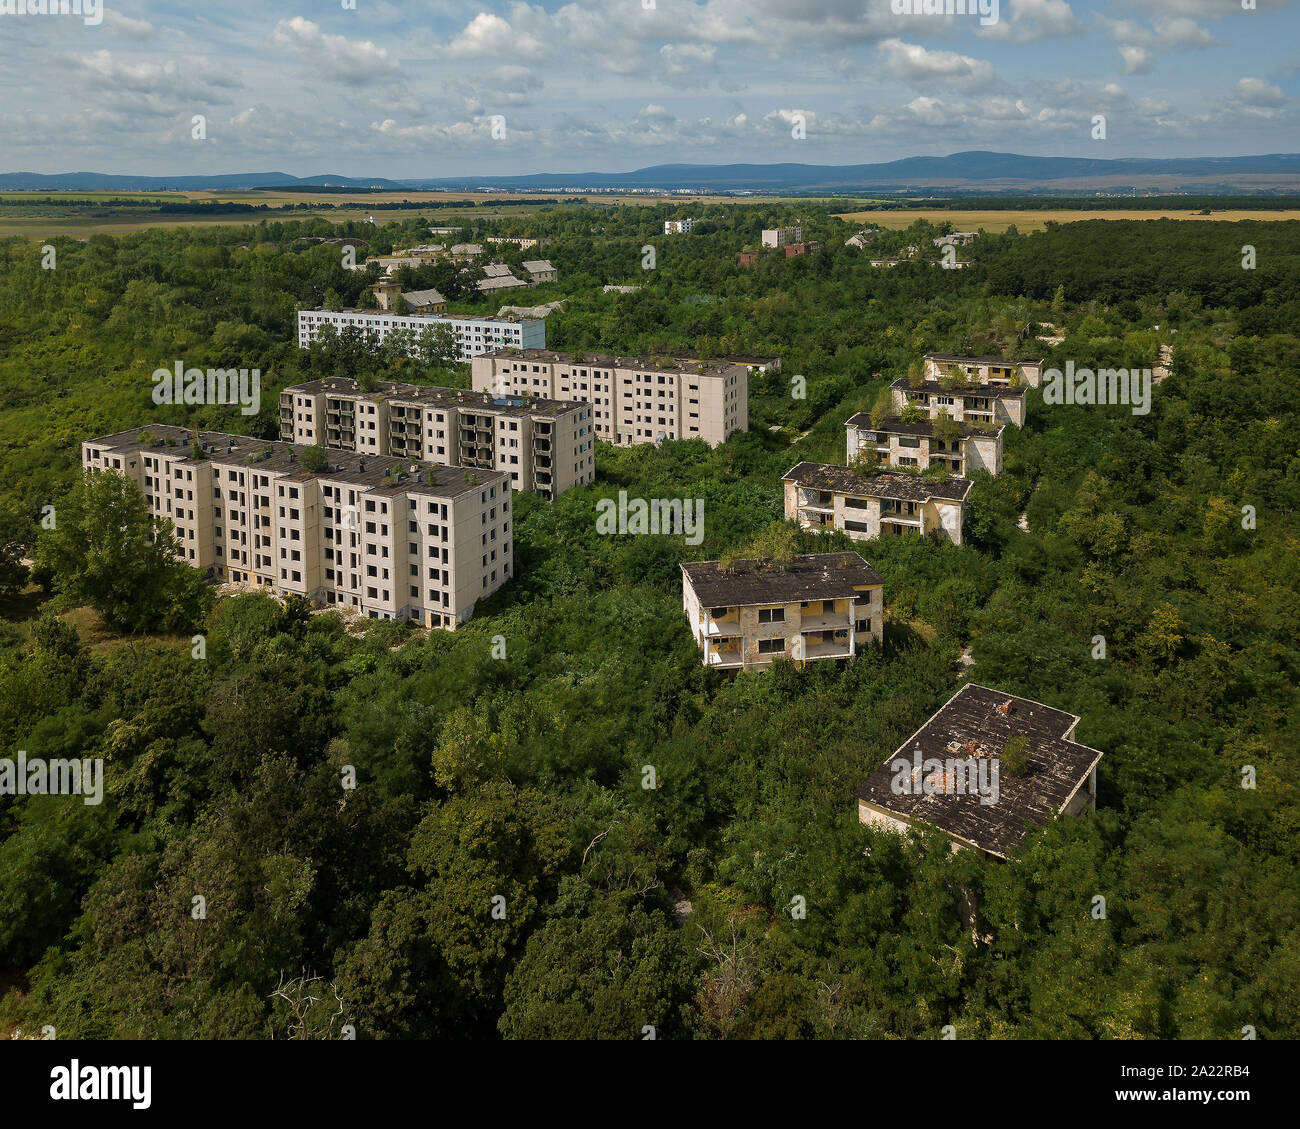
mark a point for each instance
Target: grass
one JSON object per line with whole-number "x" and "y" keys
{"x": 999, "y": 221}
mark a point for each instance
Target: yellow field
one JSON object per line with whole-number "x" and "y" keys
{"x": 998, "y": 221}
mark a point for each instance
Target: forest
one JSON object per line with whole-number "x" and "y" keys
{"x": 499, "y": 870}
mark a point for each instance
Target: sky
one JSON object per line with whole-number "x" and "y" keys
{"x": 428, "y": 88}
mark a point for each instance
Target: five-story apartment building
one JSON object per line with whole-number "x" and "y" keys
{"x": 545, "y": 446}
{"x": 474, "y": 334}
{"x": 384, "y": 537}
{"x": 634, "y": 399}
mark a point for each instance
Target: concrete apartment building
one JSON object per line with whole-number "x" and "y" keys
{"x": 544, "y": 446}
{"x": 540, "y": 270}
{"x": 474, "y": 335}
{"x": 744, "y": 615}
{"x": 498, "y": 276}
{"x": 927, "y": 780}
{"x": 678, "y": 227}
{"x": 994, "y": 404}
{"x": 781, "y": 236}
{"x": 634, "y": 399}
{"x": 983, "y": 370}
{"x": 387, "y": 538}
{"x": 820, "y": 496}
{"x": 895, "y": 442}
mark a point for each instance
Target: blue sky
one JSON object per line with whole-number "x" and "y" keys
{"x": 410, "y": 89}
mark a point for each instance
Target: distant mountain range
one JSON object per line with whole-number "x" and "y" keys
{"x": 972, "y": 171}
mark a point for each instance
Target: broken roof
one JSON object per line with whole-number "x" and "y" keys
{"x": 942, "y": 388}
{"x": 898, "y": 426}
{"x": 976, "y": 722}
{"x": 896, "y": 487}
{"x": 815, "y": 576}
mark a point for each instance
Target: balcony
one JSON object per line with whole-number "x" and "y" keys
{"x": 816, "y": 647}
{"x": 819, "y": 518}
{"x": 820, "y": 500}
{"x": 724, "y": 653}
{"x": 727, "y": 625}
{"x": 824, "y": 621}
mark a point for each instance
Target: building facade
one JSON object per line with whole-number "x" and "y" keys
{"x": 678, "y": 227}
{"x": 544, "y": 446}
{"x": 634, "y": 399}
{"x": 983, "y": 370}
{"x": 747, "y": 613}
{"x": 993, "y": 404}
{"x": 821, "y": 496}
{"x": 781, "y": 236}
{"x": 896, "y": 443}
{"x": 474, "y": 335}
{"x": 384, "y": 537}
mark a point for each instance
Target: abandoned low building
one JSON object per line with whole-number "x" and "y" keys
{"x": 746, "y": 613}
{"x": 994, "y": 404}
{"x": 962, "y": 448}
{"x": 823, "y": 496}
{"x": 985, "y": 769}
{"x": 983, "y": 370}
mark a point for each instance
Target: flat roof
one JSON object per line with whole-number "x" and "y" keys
{"x": 897, "y": 487}
{"x": 898, "y": 426}
{"x": 675, "y": 362}
{"x": 398, "y": 393}
{"x": 1002, "y": 391}
{"x": 977, "y": 722}
{"x": 431, "y": 317}
{"x": 274, "y": 456}
{"x": 980, "y": 360}
{"x": 815, "y": 576}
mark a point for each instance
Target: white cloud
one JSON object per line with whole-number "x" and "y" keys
{"x": 347, "y": 61}
{"x": 127, "y": 27}
{"x": 1028, "y": 21}
{"x": 1137, "y": 60}
{"x": 911, "y": 62}
{"x": 490, "y": 34}
{"x": 681, "y": 58}
{"x": 1257, "y": 92}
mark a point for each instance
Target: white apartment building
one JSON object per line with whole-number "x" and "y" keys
{"x": 678, "y": 227}
{"x": 544, "y": 446}
{"x": 821, "y": 496}
{"x": 385, "y": 537}
{"x": 744, "y": 614}
{"x": 983, "y": 370}
{"x": 634, "y": 399}
{"x": 474, "y": 335}
{"x": 782, "y": 236}
{"x": 897, "y": 443}
{"x": 993, "y": 404}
